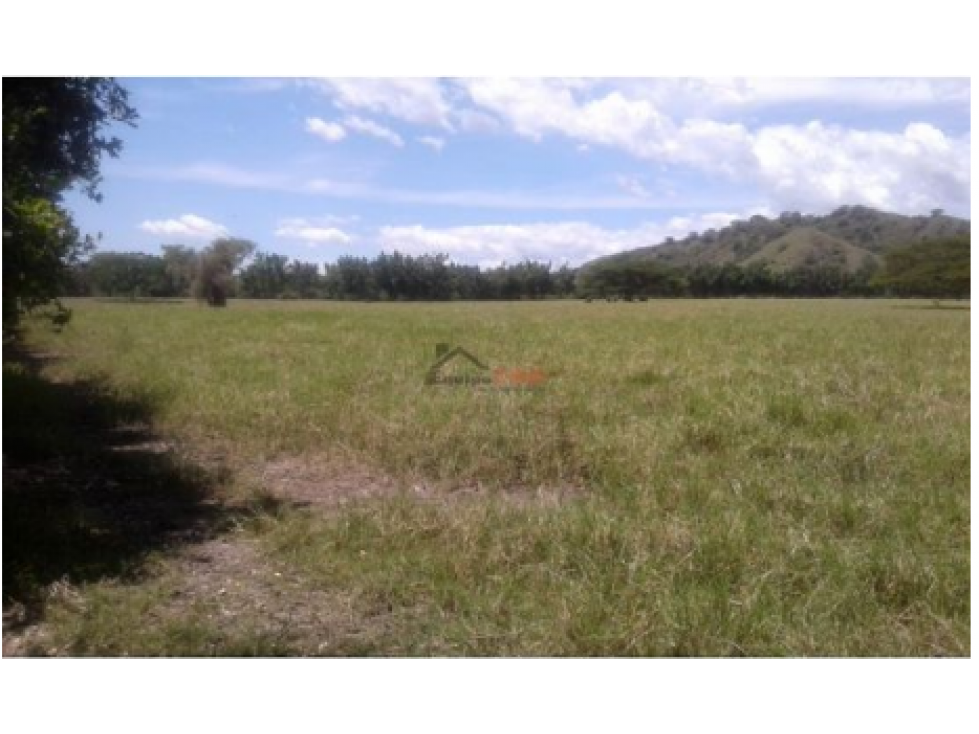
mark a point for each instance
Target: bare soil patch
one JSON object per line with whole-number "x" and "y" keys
{"x": 235, "y": 586}
{"x": 320, "y": 482}
{"x": 327, "y": 483}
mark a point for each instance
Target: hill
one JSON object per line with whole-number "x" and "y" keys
{"x": 808, "y": 247}
{"x": 852, "y": 238}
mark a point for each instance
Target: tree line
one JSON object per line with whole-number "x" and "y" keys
{"x": 934, "y": 269}
{"x": 400, "y": 277}
{"x": 641, "y": 280}
{"x": 208, "y": 274}
{"x": 218, "y": 272}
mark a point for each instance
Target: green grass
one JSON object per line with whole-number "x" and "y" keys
{"x": 118, "y": 621}
{"x": 738, "y": 477}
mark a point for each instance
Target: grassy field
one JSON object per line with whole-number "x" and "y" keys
{"x": 728, "y": 477}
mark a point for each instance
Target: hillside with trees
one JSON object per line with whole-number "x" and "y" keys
{"x": 929, "y": 269}
{"x": 858, "y": 233}
{"x": 845, "y": 253}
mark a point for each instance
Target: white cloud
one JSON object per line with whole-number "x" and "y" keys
{"x": 369, "y": 127}
{"x": 708, "y": 126}
{"x": 334, "y": 132}
{"x": 571, "y": 242}
{"x": 312, "y": 232}
{"x": 432, "y": 142}
{"x": 418, "y": 101}
{"x": 687, "y": 97}
{"x": 877, "y": 94}
{"x": 189, "y": 226}
{"x": 811, "y": 166}
{"x": 331, "y": 132}
{"x": 531, "y": 107}
{"x": 434, "y": 101}
{"x": 818, "y": 166}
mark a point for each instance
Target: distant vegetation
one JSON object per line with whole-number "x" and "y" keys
{"x": 851, "y": 238}
{"x": 936, "y": 269}
{"x": 388, "y": 277}
{"x": 208, "y": 275}
{"x": 432, "y": 277}
{"x": 855, "y": 251}
{"x": 632, "y": 280}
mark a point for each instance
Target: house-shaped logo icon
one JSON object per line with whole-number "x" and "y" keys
{"x": 501, "y": 377}
{"x": 445, "y": 354}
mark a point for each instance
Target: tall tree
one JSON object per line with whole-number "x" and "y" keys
{"x": 217, "y": 265}
{"x": 53, "y": 139}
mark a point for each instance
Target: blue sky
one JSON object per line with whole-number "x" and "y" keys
{"x": 493, "y": 170}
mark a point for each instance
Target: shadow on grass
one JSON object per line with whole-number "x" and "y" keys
{"x": 88, "y": 490}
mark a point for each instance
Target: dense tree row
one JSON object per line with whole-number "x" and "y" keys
{"x": 208, "y": 275}
{"x": 932, "y": 269}
{"x": 433, "y": 277}
{"x": 216, "y": 273}
{"x": 651, "y": 279}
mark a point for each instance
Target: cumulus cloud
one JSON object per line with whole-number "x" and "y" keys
{"x": 369, "y": 127}
{"x": 809, "y": 166}
{"x": 432, "y": 142}
{"x": 418, "y": 101}
{"x": 312, "y": 232}
{"x": 818, "y": 166}
{"x": 189, "y": 226}
{"x": 570, "y": 242}
{"x": 703, "y": 125}
{"x": 429, "y": 100}
{"x": 331, "y": 132}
